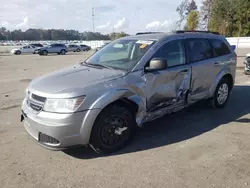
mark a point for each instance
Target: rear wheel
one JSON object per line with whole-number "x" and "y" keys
{"x": 63, "y": 52}
{"x": 78, "y": 50}
{"x": 221, "y": 94}
{"x": 112, "y": 129}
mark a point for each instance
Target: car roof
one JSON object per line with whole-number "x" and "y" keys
{"x": 155, "y": 36}
{"x": 162, "y": 35}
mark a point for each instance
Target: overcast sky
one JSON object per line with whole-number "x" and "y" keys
{"x": 130, "y": 16}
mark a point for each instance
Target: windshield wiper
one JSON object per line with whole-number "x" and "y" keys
{"x": 97, "y": 65}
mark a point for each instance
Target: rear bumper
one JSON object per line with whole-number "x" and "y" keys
{"x": 59, "y": 131}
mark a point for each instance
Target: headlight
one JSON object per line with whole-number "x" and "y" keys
{"x": 27, "y": 92}
{"x": 63, "y": 105}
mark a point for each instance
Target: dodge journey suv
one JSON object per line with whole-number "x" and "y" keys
{"x": 132, "y": 80}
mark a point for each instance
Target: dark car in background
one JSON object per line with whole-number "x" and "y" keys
{"x": 53, "y": 48}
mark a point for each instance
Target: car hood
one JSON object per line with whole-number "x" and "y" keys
{"x": 71, "y": 81}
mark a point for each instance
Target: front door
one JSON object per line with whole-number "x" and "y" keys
{"x": 166, "y": 90}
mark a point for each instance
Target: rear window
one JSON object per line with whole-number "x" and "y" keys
{"x": 220, "y": 48}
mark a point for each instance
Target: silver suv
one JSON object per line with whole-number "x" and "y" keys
{"x": 132, "y": 80}
{"x": 53, "y": 48}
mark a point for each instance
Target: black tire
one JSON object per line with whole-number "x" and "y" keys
{"x": 44, "y": 52}
{"x": 18, "y": 52}
{"x": 63, "y": 52}
{"x": 105, "y": 136}
{"x": 215, "y": 102}
{"x": 78, "y": 50}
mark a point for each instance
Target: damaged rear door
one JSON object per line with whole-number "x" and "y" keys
{"x": 167, "y": 89}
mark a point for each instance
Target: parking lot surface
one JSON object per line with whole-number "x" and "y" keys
{"x": 197, "y": 147}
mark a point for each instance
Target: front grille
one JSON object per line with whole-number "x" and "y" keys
{"x": 35, "y": 107}
{"x": 35, "y": 102}
{"x": 47, "y": 139}
{"x": 38, "y": 98}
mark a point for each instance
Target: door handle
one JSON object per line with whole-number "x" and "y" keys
{"x": 185, "y": 70}
{"x": 219, "y": 63}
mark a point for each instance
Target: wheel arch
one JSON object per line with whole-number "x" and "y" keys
{"x": 225, "y": 73}
{"x": 122, "y": 97}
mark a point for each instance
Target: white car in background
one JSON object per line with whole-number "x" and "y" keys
{"x": 29, "y": 49}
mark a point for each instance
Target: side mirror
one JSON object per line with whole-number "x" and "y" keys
{"x": 156, "y": 64}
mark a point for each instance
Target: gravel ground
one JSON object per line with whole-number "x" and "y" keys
{"x": 198, "y": 147}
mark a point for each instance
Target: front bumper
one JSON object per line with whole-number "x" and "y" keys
{"x": 59, "y": 131}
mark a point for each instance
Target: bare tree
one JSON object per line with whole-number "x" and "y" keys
{"x": 182, "y": 11}
{"x": 206, "y": 10}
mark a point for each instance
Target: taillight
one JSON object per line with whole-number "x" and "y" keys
{"x": 235, "y": 56}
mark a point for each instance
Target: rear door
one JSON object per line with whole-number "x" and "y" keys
{"x": 70, "y": 48}
{"x": 224, "y": 56}
{"x": 167, "y": 88}
{"x": 204, "y": 71}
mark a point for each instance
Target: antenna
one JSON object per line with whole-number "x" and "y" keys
{"x": 93, "y": 19}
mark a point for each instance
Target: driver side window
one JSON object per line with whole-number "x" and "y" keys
{"x": 173, "y": 52}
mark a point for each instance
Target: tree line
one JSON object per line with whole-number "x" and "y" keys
{"x": 228, "y": 17}
{"x": 56, "y": 34}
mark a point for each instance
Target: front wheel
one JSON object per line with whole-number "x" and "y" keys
{"x": 221, "y": 94}
{"x": 44, "y": 52}
{"x": 112, "y": 130}
{"x": 18, "y": 52}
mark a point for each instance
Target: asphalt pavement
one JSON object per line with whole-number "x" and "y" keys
{"x": 197, "y": 147}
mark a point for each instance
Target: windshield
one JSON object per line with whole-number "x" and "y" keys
{"x": 120, "y": 54}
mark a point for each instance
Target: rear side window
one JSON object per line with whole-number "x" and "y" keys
{"x": 199, "y": 49}
{"x": 220, "y": 48}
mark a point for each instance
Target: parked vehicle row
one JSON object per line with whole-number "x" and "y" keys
{"x": 57, "y": 48}
{"x": 101, "y": 101}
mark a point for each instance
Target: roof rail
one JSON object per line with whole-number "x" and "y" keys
{"x": 143, "y": 33}
{"x": 196, "y": 31}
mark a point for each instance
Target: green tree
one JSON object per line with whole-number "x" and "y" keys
{"x": 184, "y": 9}
{"x": 192, "y": 20}
{"x": 231, "y": 17}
